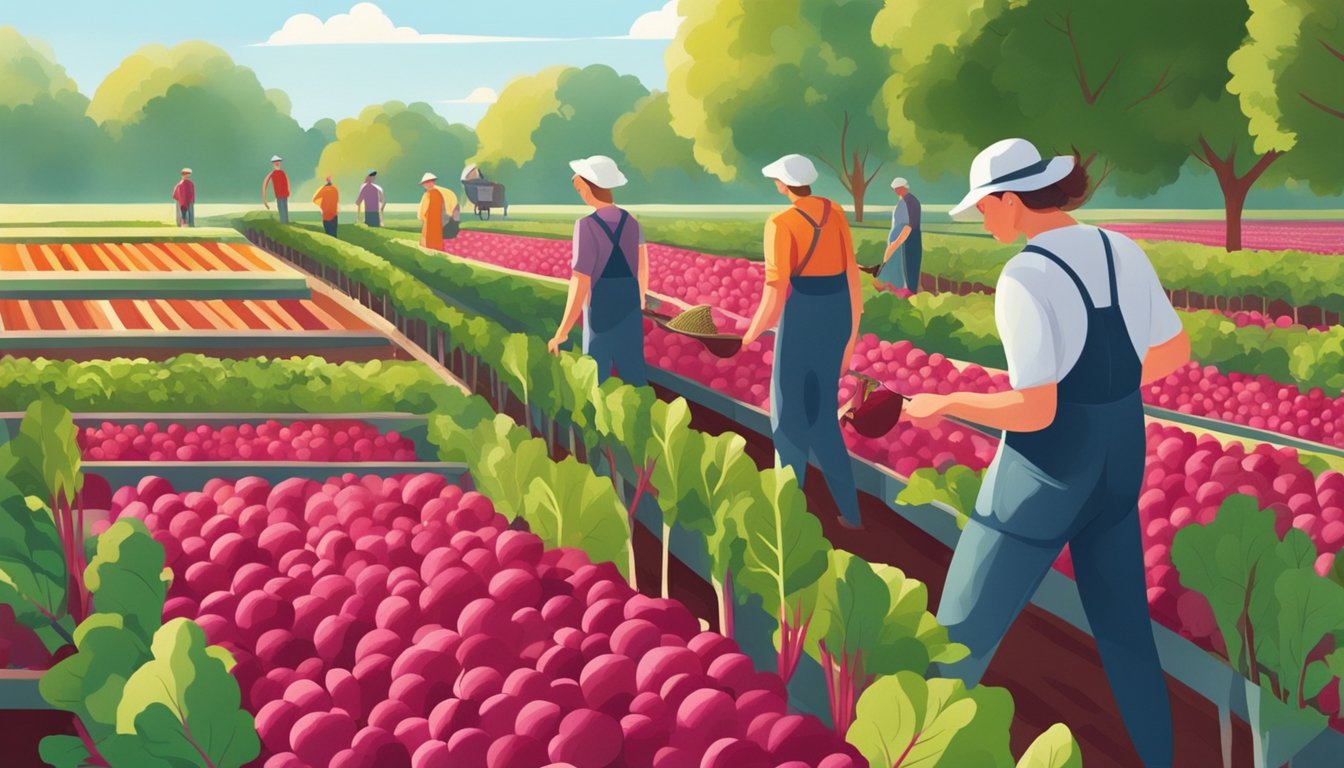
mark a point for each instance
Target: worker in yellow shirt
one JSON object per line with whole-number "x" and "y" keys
{"x": 439, "y": 213}
{"x": 328, "y": 200}
{"x": 812, "y": 290}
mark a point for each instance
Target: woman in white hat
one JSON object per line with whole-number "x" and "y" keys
{"x": 812, "y": 290}
{"x": 1085, "y": 323}
{"x": 610, "y": 276}
{"x": 438, "y": 213}
{"x": 905, "y": 241}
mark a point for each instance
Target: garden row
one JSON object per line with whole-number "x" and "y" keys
{"x": 535, "y": 377}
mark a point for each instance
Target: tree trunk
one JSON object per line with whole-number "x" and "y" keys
{"x": 1234, "y": 187}
{"x": 1234, "y": 202}
{"x": 858, "y": 186}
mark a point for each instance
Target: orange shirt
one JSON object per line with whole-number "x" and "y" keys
{"x": 328, "y": 199}
{"x": 788, "y": 234}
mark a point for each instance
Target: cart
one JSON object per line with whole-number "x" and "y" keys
{"x": 482, "y": 193}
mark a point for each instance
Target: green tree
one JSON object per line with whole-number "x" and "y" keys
{"x": 1287, "y": 77}
{"x": 191, "y": 105}
{"x": 750, "y": 80}
{"x": 401, "y": 142}
{"x": 49, "y": 150}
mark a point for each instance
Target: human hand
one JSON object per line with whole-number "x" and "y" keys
{"x": 554, "y": 344}
{"x": 926, "y": 410}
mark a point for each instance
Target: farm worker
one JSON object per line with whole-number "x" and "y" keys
{"x": 185, "y": 195}
{"x": 1085, "y": 323}
{"x": 278, "y": 180}
{"x": 905, "y": 243}
{"x": 328, "y": 200}
{"x": 812, "y": 291}
{"x": 610, "y": 277}
{"x": 371, "y": 200}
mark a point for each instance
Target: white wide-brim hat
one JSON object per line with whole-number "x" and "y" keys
{"x": 1011, "y": 165}
{"x": 899, "y": 182}
{"x": 793, "y": 170}
{"x": 428, "y": 177}
{"x": 187, "y": 171}
{"x": 276, "y": 158}
{"x": 600, "y": 171}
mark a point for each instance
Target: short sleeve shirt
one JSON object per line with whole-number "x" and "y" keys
{"x": 1042, "y": 319}
{"x": 593, "y": 247}
{"x": 370, "y": 196}
{"x": 788, "y": 235}
{"x": 280, "y": 181}
{"x": 906, "y": 213}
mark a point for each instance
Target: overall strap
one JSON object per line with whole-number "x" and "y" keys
{"x": 1082, "y": 290}
{"x": 615, "y": 237}
{"x": 1110, "y": 268}
{"x": 816, "y": 234}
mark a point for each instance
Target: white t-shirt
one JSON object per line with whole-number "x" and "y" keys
{"x": 1041, "y": 318}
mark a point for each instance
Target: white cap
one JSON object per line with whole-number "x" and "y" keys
{"x": 276, "y": 158}
{"x": 470, "y": 172}
{"x": 600, "y": 171}
{"x": 428, "y": 177}
{"x": 793, "y": 170}
{"x": 1011, "y": 165}
{"x": 899, "y": 182}
{"x": 186, "y": 171}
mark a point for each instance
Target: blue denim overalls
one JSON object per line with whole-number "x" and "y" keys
{"x": 1077, "y": 482}
{"x": 613, "y": 326}
{"x": 902, "y": 269}
{"x": 805, "y": 382}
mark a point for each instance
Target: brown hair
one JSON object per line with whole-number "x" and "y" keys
{"x": 803, "y": 191}
{"x": 1067, "y": 194}
{"x": 601, "y": 193}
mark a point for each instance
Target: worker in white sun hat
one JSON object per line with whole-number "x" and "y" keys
{"x": 812, "y": 290}
{"x": 439, "y": 213}
{"x": 278, "y": 180}
{"x": 905, "y": 242}
{"x": 610, "y": 277}
{"x": 1085, "y": 323}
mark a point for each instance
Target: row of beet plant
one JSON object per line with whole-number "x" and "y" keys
{"x": 754, "y": 523}
{"x": 143, "y": 692}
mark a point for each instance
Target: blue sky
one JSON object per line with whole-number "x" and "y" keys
{"x": 328, "y": 78}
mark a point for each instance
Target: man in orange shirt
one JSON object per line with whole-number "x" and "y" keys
{"x": 328, "y": 199}
{"x": 812, "y": 290}
{"x": 278, "y": 179}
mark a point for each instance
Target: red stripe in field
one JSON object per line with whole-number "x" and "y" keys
{"x": 129, "y": 315}
{"x": 43, "y": 260}
{"x": 86, "y": 257}
{"x": 190, "y": 315}
{"x": 47, "y": 318}
{"x": 148, "y": 255}
{"x": 345, "y": 317}
{"x": 245, "y": 314}
{"x": 79, "y": 312}
{"x": 10, "y": 315}
{"x": 63, "y": 258}
{"x": 230, "y": 262}
{"x": 301, "y": 315}
{"x": 169, "y": 320}
{"x": 248, "y": 254}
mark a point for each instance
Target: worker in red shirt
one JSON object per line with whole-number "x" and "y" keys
{"x": 278, "y": 179}
{"x": 185, "y": 196}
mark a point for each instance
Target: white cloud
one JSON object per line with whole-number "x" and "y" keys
{"x": 482, "y": 95}
{"x": 661, "y": 24}
{"x": 366, "y": 24}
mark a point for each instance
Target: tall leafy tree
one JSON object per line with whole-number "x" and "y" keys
{"x": 750, "y": 80}
{"x": 401, "y": 142}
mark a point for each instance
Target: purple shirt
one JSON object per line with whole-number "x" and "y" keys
{"x": 370, "y": 196}
{"x": 592, "y": 246}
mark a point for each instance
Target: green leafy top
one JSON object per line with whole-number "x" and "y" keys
{"x": 905, "y": 721}
{"x": 127, "y": 576}
{"x": 1055, "y": 748}
{"x": 568, "y": 506}
{"x": 33, "y": 575}
{"x": 786, "y": 552}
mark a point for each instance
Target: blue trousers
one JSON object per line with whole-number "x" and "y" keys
{"x": 902, "y": 270}
{"x": 282, "y": 206}
{"x": 329, "y": 226}
{"x": 372, "y": 219}
{"x": 994, "y": 573}
{"x": 621, "y": 348}
{"x": 805, "y": 386}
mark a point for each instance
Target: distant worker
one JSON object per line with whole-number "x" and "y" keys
{"x": 438, "y": 215}
{"x": 371, "y": 199}
{"x": 279, "y": 181}
{"x": 328, "y": 200}
{"x": 905, "y": 243}
{"x": 812, "y": 290}
{"x": 610, "y": 278}
{"x": 185, "y": 196}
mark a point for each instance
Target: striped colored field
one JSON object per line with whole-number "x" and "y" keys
{"x": 112, "y": 257}
{"x": 320, "y": 313}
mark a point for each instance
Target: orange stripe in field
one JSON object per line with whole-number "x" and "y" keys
{"x": 168, "y": 262}
{"x": 119, "y": 258}
{"x": 44, "y": 259}
{"x": 98, "y": 310}
{"x": 304, "y": 312}
{"x": 67, "y": 321}
{"x": 218, "y": 320}
{"x": 343, "y": 316}
{"x": 210, "y": 254}
{"x": 28, "y": 321}
{"x": 56, "y": 255}
{"x": 129, "y": 315}
{"x": 45, "y": 313}
{"x": 281, "y": 317}
{"x": 28, "y": 258}
{"x": 208, "y": 261}
{"x": 292, "y": 315}
{"x": 9, "y": 315}
{"x": 265, "y": 317}
{"x": 326, "y": 321}
{"x": 191, "y": 316}
{"x": 128, "y": 255}
{"x": 245, "y": 314}
{"x": 144, "y": 255}
{"x": 151, "y": 317}
{"x": 248, "y": 253}
{"x": 103, "y": 255}
{"x": 9, "y": 258}
{"x": 84, "y": 258}
{"x": 231, "y": 318}
{"x": 184, "y": 256}
{"x": 79, "y": 312}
